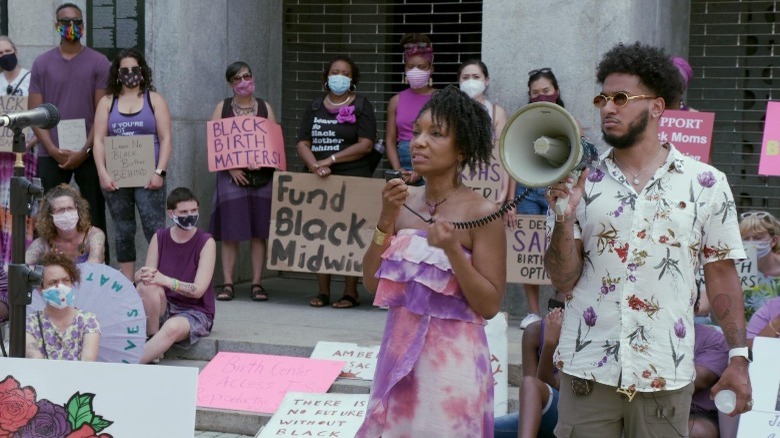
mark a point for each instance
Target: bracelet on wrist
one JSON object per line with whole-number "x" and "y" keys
{"x": 175, "y": 285}
{"x": 333, "y": 158}
{"x": 380, "y": 237}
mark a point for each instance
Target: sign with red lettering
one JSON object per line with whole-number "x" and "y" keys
{"x": 689, "y": 131}
{"x": 258, "y": 382}
{"x": 242, "y": 142}
{"x": 525, "y": 247}
{"x": 360, "y": 361}
{"x": 769, "y": 162}
{"x": 313, "y": 415}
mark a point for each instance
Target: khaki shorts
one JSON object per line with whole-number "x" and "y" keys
{"x": 604, "y": 413}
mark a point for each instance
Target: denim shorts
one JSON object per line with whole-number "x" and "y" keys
{"x": 534, "y": 203}
{"x": 507, "y": 426}
{"x": 200, "y": 324}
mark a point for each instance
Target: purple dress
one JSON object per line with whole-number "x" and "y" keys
{"x": 65, "y": 345}
{"x": 240, "y": 213}
{"x": 433, "y": 375}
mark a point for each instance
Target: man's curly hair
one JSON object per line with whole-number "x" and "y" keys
{"x": 467, "y": 120}
{"x": 653, "y": 67}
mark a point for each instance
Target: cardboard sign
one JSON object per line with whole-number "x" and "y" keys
{"x": 769, "y": 162}
{"x": 313, "y": 415}
{"x": 764, "y": 419}
{"x": 525, "y": 247}
{"x": 360, "y": 361}
{"x": 238, "y": 142}
{"x": 689, "y": 131}
{"x": 258, "y": 383}
{"x": 498, "y": 341}
{"x": 72, "y": 134}
{"x": 491, "y": 180}
{"x": 105, "y": 399}
{"x": 10, "y": 104}
{"x": 130, "y": 159}
{"x": 322, "y": 225}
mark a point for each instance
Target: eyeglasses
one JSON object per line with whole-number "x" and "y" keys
{"x": 540, "y": 70}
{"x": 620, "y": 98}
{"x": 127, "y": 70}
{"x": 757, "y": 214}
{"x": 67, "y": 21}
{"x": 420, "y": 45}
{"x": 239, "y": 78}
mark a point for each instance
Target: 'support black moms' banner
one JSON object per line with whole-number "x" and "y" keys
{"x": 322, "y": 225}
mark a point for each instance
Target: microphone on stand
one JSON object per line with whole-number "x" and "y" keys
{"x": 45, "y": 116}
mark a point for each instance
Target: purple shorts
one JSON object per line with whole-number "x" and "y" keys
{"x": 200, "y": 324}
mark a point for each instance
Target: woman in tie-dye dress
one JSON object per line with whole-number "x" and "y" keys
{"x": 433, "y": 376}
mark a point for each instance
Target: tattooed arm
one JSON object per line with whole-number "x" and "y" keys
{"x": 564, "y": 258}
{"x": 203, "y": 276}
{"x": 725, "y": 294}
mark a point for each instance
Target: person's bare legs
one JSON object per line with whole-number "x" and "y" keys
{"x": 127, "y": 269}
{"x": 257, "y": 247}
{"x": 532, "y": 295}
{"x": 155, "y": 303}
{"x": 533, "y": 397}
{"x": 175, "y": 329}
{"x": 350, "y": 290}
{"x": 229, "y": 253}
{"x": 701, "y": 427}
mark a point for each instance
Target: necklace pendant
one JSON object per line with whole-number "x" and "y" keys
{"x": 432, "y": 210}
{"x": 636, "y": 181}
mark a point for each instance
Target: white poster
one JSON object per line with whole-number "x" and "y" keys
{"x": 328, "y": 415}
{"x": 72, "y": 134}
{"x": 764, "y": 419}
{"x": 499, "y": 361}
{"x": 360, "y": 361}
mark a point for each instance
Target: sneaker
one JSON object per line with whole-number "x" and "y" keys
{"x": 528, "y": 320}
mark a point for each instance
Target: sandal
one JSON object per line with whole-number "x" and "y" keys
{"x": 320, "y": 300}
{"x": 258, "y": 293}
{"x": 346, "y": 302}
{"x": 227, "y": 293}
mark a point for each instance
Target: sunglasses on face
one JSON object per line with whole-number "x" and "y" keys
{"x": 127, "y": 70}
{"x": 239, "y": 78}
{"x": 756, "y": 214}
{"x": 420, "y": 45}
{"x": 620, "y": 98}
{"x": 67, "y": 21}
{"x": 540, "y": 70}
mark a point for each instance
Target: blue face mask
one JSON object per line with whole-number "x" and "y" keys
{"x": 59, "y": 296}
{"x": 185, "y": 222}
{"x": 339, "y": 84}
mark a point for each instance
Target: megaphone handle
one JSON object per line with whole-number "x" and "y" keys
{"x": 561, "y": 203}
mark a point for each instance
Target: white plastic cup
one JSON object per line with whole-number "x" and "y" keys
{"x": 726, "y": 401}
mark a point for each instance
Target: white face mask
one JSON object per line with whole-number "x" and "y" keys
{"x": 473, "y": 87}
{"x": 763, "y": 247}
{"x": 59, "y": 296}
{"x": 66, "y": 220}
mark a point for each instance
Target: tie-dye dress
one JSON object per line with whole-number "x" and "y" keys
{"x": 433, "y": 375}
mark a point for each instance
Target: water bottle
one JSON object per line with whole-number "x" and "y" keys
{"x": 726, "y": 401}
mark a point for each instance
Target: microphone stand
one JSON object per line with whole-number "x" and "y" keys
{"x": 21, "y": 278}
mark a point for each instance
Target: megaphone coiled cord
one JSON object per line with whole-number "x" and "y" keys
{"x": 465, "y": 225}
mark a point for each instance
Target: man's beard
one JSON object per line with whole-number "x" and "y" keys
{"x": 635, "y": 131}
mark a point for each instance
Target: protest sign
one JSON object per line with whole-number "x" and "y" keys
{"x": 241, "y": 142}
{"x": 769, "y": 162}
{"x": 72, "y": 134}
{"x": 360, "y": 362}
{"x": 130, "y": 159}
{"x": 90, "y": 399}
{"x": 689, "y": 131}
{"x": 525, "y": 247}
{"x": 498, "y": 341}
{"x": 258, "y": 383}
{"x": 10, "y": 104}
{"x": 764, "y": 419}
{"x": 327, "y": 415}
{"x": 490, "y": 180}
{"x": 322, "y": 225}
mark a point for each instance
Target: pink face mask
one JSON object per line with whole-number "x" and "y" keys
{"x": 245, "y": 88}
{"x": 552, "y": 98}
{"x": 418, "y": 78}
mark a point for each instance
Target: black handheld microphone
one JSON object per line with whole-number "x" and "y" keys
{"x": 45, "y": 116}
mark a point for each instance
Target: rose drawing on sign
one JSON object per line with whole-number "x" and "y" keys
{"x": 50, "y": 421}
{"x": 17, "y": 406}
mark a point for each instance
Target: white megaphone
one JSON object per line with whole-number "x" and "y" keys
{"x": 541, "y": 144}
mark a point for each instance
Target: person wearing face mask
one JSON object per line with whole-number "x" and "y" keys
{"x": 15, "y": 81}
{"x": 61, "y": 331}
{"x": 759, "y": 230}
{"x": 474, "y": 79}
{"x": 242, "y": 198}
{"x": 402, "y": 109}
{"x": 133, "y": 107}
{"x": 176, "y": 282}
{"x": 339, "y": 146}
{"x": 63, "y": 225}
{"x": 73, "y": 78}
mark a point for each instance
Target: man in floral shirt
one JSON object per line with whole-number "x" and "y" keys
{"x": 626, "y": 250}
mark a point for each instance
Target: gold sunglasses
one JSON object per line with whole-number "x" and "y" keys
{"x": 620, "y": 98}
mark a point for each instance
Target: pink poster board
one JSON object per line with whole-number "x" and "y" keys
{"x": 769, "y": 162}
{"x": 689, "y": 131}
{"x": 238, "y": 142}
{"x": 258, "y": 382}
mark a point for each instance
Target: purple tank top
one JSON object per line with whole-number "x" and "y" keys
{"x": 180, "y": 261}
{"x": 140, "y": 123}
{"x": 409, "y": 105}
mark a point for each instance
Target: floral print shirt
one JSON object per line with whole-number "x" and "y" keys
{"x": 65, "y": 345}
{"x": 629, "y": 318}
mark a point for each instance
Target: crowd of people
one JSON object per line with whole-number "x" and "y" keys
{"x": 594, "y": 365}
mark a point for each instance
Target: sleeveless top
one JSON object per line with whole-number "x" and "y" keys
{"x": 138, "y": 123}
{"x": 409, "y": 105}
{"x": 180, "y": 261}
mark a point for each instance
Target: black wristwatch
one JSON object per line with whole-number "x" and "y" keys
{"x": 161, "y": 172}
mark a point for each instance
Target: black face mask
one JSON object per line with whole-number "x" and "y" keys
{"x": 130, "y": 80}
{"x": 8, "y": 62}
{"x": 185, "y": 222}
